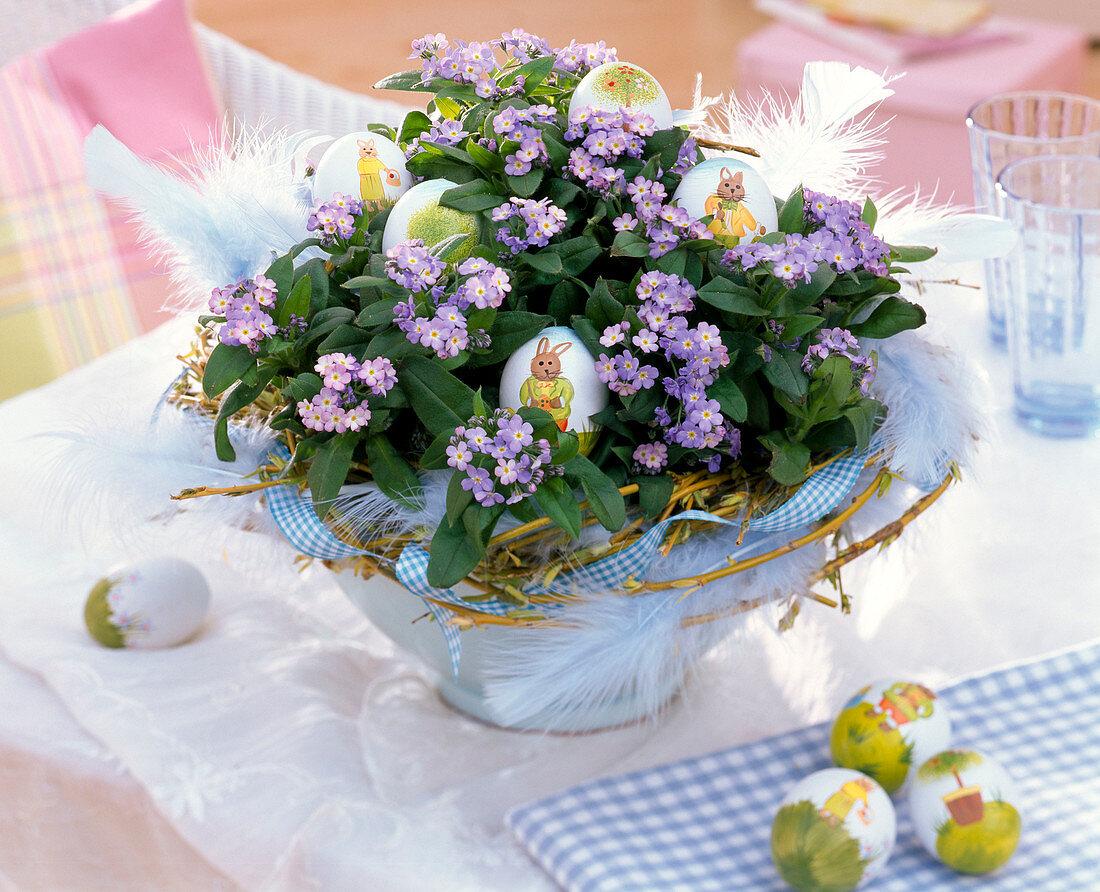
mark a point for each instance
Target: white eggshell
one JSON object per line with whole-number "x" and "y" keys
{"x": 965, "y": 809}
{"x": 364, "y": 166}
{"x": 520, "y": 384}
{"x": 417, "y": 215}
{"x": 706, "y": 190}
{"x": 616, "y": 85}
{"x": 852, "y": 842}
{"x": 153, "y": 602}
{"x": 888, "y": 728}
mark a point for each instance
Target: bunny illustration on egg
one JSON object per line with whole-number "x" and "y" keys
{"x": 554, "y": 371}
{"x": 364, "y": 166}
{"x": 734, "y": 195}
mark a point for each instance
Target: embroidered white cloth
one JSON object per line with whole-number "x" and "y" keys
{"x": 289, "y": 747}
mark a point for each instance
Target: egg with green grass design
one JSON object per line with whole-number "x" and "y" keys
{"x": 149, "y": 603}
{"x": 418, "y": 215}
{"x": 965, "y": 809}
{"x": 888, "y": 728}
{"x": 834, "y": 831}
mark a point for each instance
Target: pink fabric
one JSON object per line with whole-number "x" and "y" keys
{"x": 138, "y": 73}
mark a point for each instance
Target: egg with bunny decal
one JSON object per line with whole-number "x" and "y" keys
{"x": 363, "y": 166}
{"x": 733, "y": 195}
{"x": 554, "y": 371}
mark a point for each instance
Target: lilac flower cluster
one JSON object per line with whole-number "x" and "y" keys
{"x": 502, "y": 459}
{"x": 580, "y": 58}
{"x": 341, "y": 405}
{"x": 694, "y": 355}
{"x": 665, "y": 225}
{"x": 517, "y": 125}
{"x": 447, "y": 132}
{"x": 413, "y": 268}
{"x": 840, "y": 239}
{"x": 244, "y": 306}
{"x": 652, "y": 457}
{"x": 334, "y": 219}
{"x": 464, "y": 63}
{"x": 523, "y": 46}
{"x": 841, "y": 342}
{"x": 540, "y": 222}
{"x": 605, "y": 137}
{"x": 445, "y": 331}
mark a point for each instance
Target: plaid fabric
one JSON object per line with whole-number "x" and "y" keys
{"x": 74, "y": 281}
{"x": 705, "y": 823}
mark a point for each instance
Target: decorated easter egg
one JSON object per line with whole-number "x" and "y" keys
{"x": 964, "y": 808}
{"x": 616, "y": 85}
{"x": 418, "y": 215}
{"x": 364, "y": 166}
{"x": 887, "y": 729}
{"x": 153, "y": 602}
{"x": 554, "y": 371}
{"x": 734, "y": 194}
{"x": 834, "y": 831}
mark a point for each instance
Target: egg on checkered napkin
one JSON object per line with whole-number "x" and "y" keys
{"x": 888, "y": 728}
{"x": 149, "y": 603}
{"x": 622, "y": 85}
{"x": 419, "y": 215}
{"x": 834, "y": 830}
{"x": 364, "y": 166}
{"x": 963, "y": 805}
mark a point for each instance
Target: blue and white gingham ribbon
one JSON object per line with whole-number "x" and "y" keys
{"x": 294, "y": 514}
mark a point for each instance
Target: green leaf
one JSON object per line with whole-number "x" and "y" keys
{"x": 378, "y": 313}
{"x": 577, "y": 254}
{"x": 471, "y": 197}
{"x": 566, "y": 299}
{"x": 524, "y": 186}
{"x": 654, "y": 493}
{"x": 732, "y": 298}
{"x": 544, "y": 262}
{"x": 629, "y": 244}
{"x": 799, "y": 326}
{"x": 730, "y": 398}
{"x": 329, "y": 469}
{"x": 485, "y": 159}
{"x": 603, "y": 495}
{"x": 440, "y": 400}
{"x": 911, "y": 253}
{"x": 448, "y": 108}
{"x": 435, "y": 456}
{"x": 239, "y": 397}
{"x": 297, "y": 304}
{"x": 533, "y": 73}
{"x": 790, "y": 215}
{"x": 559, "y": 504}
{"x": 406, "y": 80}
{"x": 511, "y": 330}
{"x": 864, "y": 418}
{"x": 806, "y": 293}
{"x": 892, "y": 315}
{"x": 454, "y": 554}
{"x": 458, "y": 499}
{"x": 832, "y": 384}
{"x": 391, "y": 472}
{"x": 281, "y": 272}
{"x": 569, "y": 445}
{"x": 602, "y": 308}
{"x": 790, "y": 462}
{"x": 415, "y": 123}
{"x": 786, "y": 375}
{"x": 870, "y": 212}
{"x": 227, "y": 363}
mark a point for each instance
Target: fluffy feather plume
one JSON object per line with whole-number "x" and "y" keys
{"x": 931, "y": 421}
{"x": 814, "y": 140}
{"x": 141, "y": 464}
{"x": 612, "y": 650}
{"x": 222, "y": 218}
{"x": 913, "y": 218}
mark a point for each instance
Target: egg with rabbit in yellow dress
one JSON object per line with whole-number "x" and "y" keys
{"x": 554, "y": 371}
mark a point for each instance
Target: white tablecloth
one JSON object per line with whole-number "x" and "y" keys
{"x": 290, "y": 747}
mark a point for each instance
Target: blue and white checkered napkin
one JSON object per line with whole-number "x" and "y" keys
{"x": 705, "y": 823}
